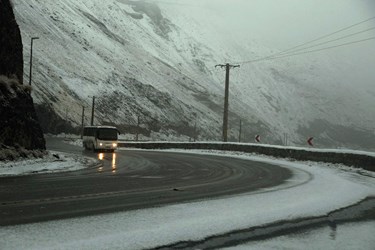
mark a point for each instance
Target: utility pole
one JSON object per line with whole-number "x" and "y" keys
{"x": 239, "y": 136}
{"x": 195, "y": 127}
{"x": 136, "y": 135}
{"x": 92, "y": 111}
{"x": 195, "y": 131}
{"x": 226, "y": 98}
{"x": 31, "y": 58}
{"x": 285, "y": 139}
{"x": 83, "y": 120}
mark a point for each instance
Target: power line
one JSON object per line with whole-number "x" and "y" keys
{"x": 311, "y": 51}
{"x": 334, "y": 40}
{"x": 331, "y": 34}
{"x": 309, "y": 42}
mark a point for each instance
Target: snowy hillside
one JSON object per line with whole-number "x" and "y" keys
{"x": 158, "y": 62}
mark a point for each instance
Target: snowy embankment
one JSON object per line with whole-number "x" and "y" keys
{"x": 315, "y": 190}
{"x": 52, "y": 162}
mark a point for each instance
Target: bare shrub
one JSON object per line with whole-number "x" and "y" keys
{"x": 13, "y": 154}
{"x": 27, "y": 88}
{"x": 4, "y": 81}
{"x": 12, "y": 82}
{"x": 23, "y": 153}
{"x": 9, "y": 82}
{"x": 8, "y": 154}
{"x": 39, "y": 153}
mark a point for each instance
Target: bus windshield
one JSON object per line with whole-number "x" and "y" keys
{"x": 107, "y": 134}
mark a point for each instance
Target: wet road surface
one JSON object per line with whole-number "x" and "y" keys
{"x": 128, "y": 180}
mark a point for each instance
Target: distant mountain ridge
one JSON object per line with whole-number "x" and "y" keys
{"x": 156, "y": 64}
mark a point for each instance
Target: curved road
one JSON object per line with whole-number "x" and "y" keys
{"x": 129, "y": 180}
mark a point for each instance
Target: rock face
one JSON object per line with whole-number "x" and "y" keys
{"x": 19, "y": 126}
{"x": 11, "y": 63}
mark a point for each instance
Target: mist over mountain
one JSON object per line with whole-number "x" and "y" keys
{"x": 155, "y": 61}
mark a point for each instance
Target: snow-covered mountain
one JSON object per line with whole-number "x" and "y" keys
{"x": 157, "y": 62}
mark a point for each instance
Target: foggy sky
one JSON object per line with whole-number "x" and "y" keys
{"x": 284, "y": 23}
{"x": 281, "y": 24}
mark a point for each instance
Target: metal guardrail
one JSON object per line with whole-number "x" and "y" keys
{"x": 356, "y": 160}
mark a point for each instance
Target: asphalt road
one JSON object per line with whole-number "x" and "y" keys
{"x": 129, "y": 179}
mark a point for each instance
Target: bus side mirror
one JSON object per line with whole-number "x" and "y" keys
{"x": 118, "y": 131}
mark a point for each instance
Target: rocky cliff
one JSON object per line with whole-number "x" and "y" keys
{"x": 11, "y": 63}
{"x": 19, "y": 126}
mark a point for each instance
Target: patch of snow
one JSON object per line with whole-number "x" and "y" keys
{"x": 74, "y": 141}
{"x": 348, "y": 236}
{"x": 52, "y": 163}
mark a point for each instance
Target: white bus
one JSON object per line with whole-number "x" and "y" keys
{"x": 100, "y": 138}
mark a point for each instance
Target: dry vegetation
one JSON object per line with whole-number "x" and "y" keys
{"x": 12, "y": 154}
{"x": 12, "y": 82}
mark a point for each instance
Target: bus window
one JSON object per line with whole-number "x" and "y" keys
{"x": 107, "y": 134}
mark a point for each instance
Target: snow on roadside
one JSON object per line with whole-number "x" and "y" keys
{"x": 320, "y": 238}
{"x": 53, "y": 162}
{"x": 314, "y": 191}
{"x": 74, "y": 141}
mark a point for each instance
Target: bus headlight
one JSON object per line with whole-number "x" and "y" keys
{"x": 114, "y": 145}
{"x": 101, "y": 144}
